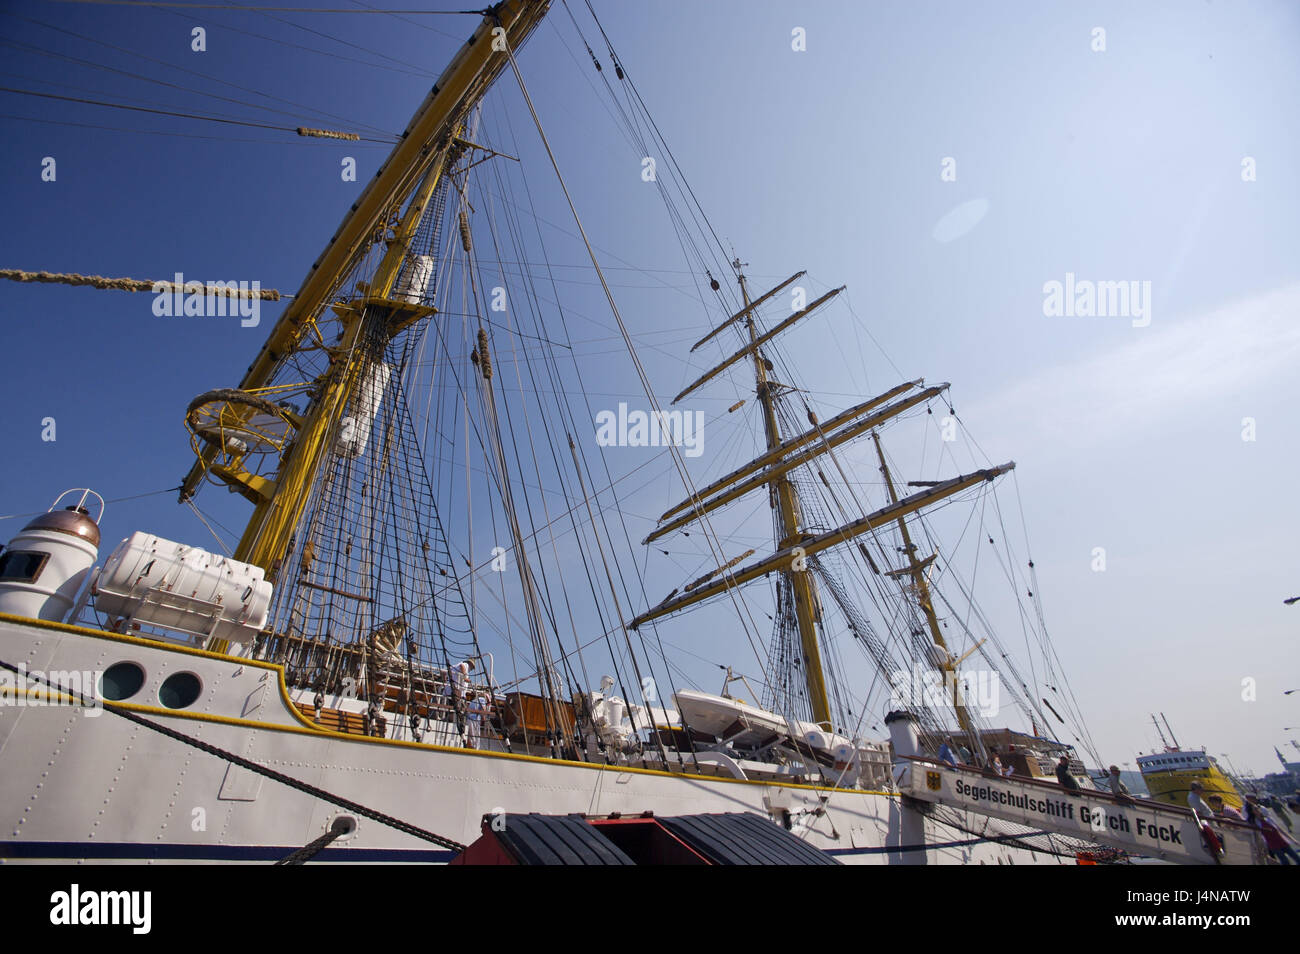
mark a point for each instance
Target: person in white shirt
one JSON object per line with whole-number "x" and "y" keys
{"x": 1197, "y": 803}
{"x": 475, "y": 713}
{"x": 460, "y": 677}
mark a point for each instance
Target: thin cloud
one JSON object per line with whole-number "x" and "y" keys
{"x": 1167, "y": 368}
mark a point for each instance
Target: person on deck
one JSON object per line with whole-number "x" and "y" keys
{"x": 1010, "y": 770}
{"x": 1117, "y": 786}
{"x": 1222, "y": 809}
{"x": 1197, "y": 802}
{"x": 460, "y": 677}
{"x": 475, "y": 711}
{"x": 946, "y": 755}
{"x": 1276, "y": 842}
{"x": 1063, "y": 775}
{"x": 1274, "y": 805}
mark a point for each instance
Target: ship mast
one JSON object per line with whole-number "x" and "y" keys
{"x": 1163, "y": 741}
{"x": 916, "y": 569}
{"x": 797, "y": 576}
{"x": 772, "y": 469}
{"x": 413, "y": 171}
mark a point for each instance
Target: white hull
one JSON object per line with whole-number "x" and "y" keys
{"x": 97, "y": 787}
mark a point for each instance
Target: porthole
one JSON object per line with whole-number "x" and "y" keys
{"x": 121, "y": 681}
{"x": 179, "y": 690}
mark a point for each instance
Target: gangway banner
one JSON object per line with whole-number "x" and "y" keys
{"x": 1137, "y": 826}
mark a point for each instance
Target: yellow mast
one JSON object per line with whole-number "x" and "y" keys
{"x": 413, "y": 169}
{"x": 810, "y": 545}
{"x": 916, "y": 569}
{"x": 781, "y": 460}
{"x": 796, "y": 574}
{"x": 267, "y": 537}
{"x": 756, "y": 341}
{"x": 770, "y": 293}
{"x": 772, "y": 469}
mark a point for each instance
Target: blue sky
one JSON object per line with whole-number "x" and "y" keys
{"x": 1115, "y": 165}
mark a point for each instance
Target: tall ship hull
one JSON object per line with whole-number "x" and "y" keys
{"x": 85, "y": 784}
{"x": 436, "y": 616}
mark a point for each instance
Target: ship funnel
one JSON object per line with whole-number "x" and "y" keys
{"x": 911, "y": 820}
{"x": 45, "y": 566}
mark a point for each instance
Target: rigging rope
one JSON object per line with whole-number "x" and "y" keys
{"x": 710, "y": 535}
{"x": 203, "y": 520}
{"x": 569, "y": 426}
{"x": 151, "y": 493}
{"x": 338, "y": 829}
{"x": 236, "y": 6}
{"x": 169, "y": 112}
{"x": 137, "y": 56}
{"x": 598, "y": 601}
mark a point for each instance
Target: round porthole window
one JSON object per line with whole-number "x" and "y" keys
{"x": 179, "y": 690}
{"x": 121, "y": 681}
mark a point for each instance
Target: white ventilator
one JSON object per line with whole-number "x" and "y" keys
{"x": 151, "y": 581}
{"x": 45, "y": 566}
{"x": 609, "y": 717}
{"x": 354, "y": 430}
{"x": 818, "y": 738}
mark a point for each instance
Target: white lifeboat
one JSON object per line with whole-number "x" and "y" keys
{"x": 737, "y": 720}
{"x": 722, "y": 717}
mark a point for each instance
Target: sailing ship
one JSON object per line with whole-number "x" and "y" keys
{"x": 336, "y": 675}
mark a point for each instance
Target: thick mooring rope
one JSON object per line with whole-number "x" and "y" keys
{"x": 138, "y": 285}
